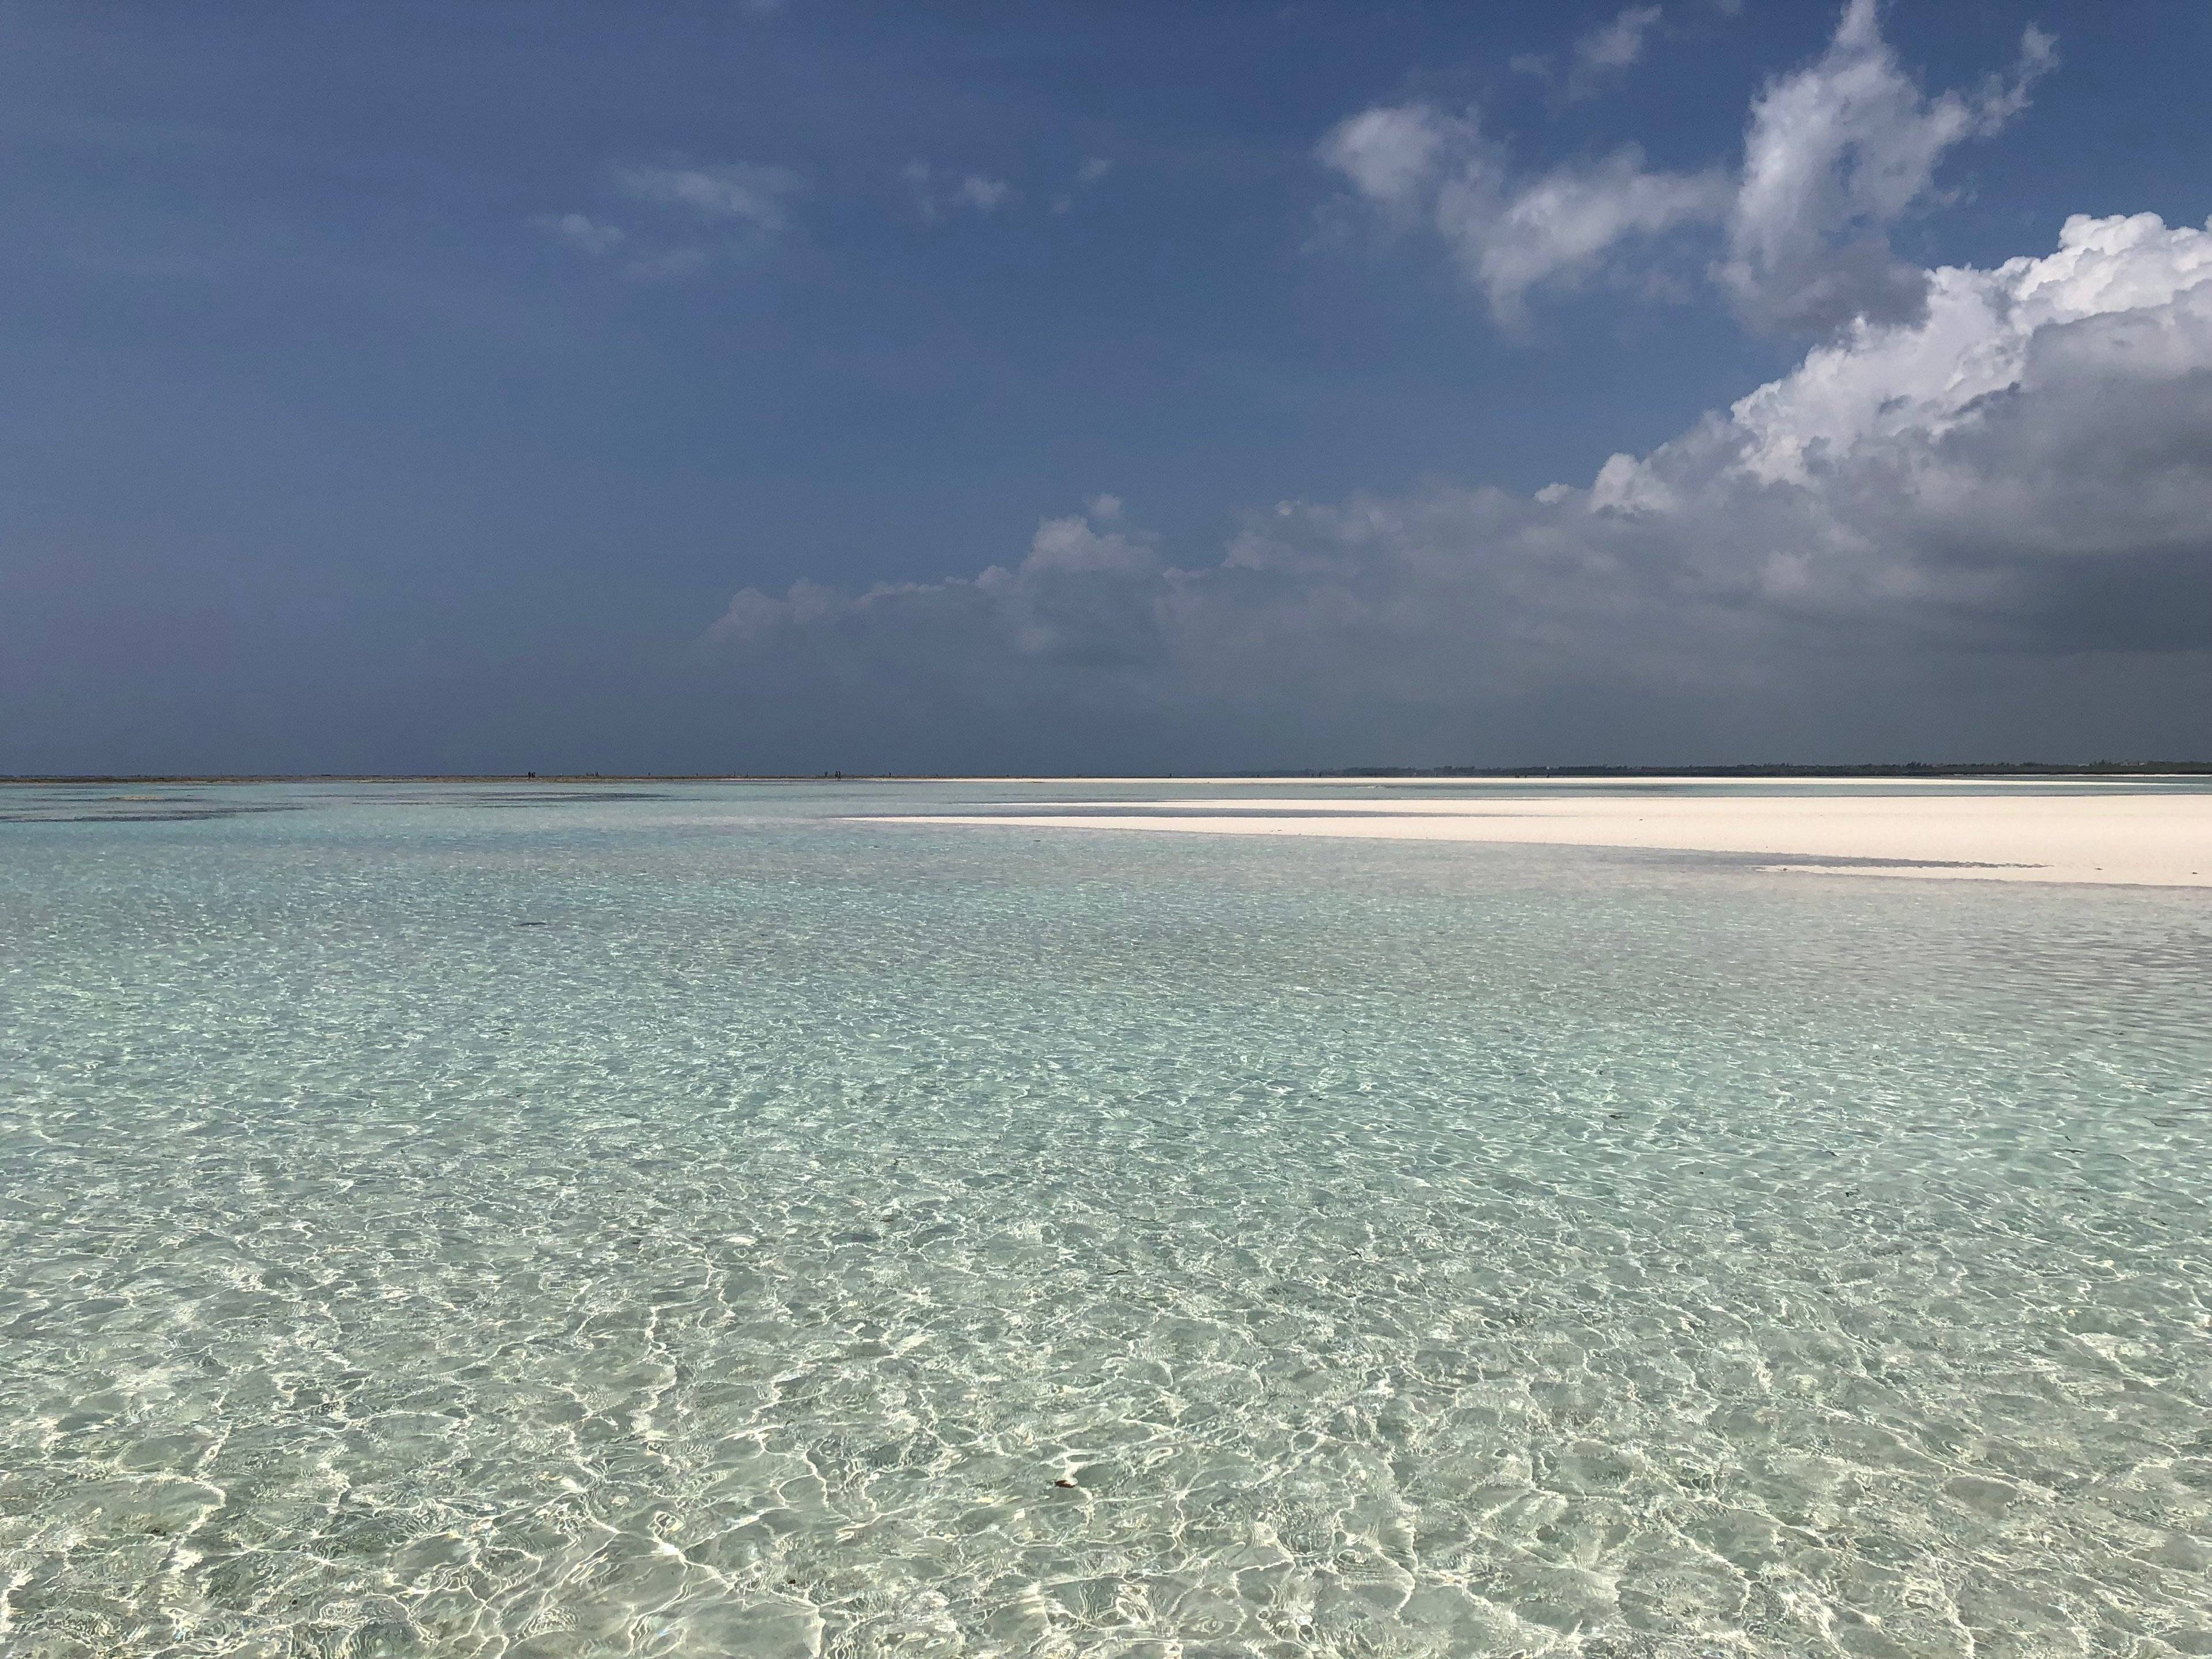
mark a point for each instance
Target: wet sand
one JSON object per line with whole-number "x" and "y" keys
{"x": 2065, "y": 835}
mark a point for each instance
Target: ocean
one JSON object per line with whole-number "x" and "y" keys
{"x": 550, "y": 1221}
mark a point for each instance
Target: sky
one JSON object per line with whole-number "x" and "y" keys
{"x": 801, "y": 386}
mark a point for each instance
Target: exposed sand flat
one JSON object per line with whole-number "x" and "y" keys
{"x": 2065, "y": 835}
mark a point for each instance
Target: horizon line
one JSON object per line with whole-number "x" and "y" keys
{"x": 1746, "y": 769}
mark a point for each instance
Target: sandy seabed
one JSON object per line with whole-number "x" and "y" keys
{"x": 2066, "y": 834}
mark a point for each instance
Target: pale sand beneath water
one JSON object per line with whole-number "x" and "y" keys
{"x": 2148, "y": 839}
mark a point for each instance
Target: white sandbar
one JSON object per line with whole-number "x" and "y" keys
{"x": 2064, "y": 835}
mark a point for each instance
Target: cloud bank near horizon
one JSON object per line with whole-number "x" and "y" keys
{"x": 1972, "y": 520}
{"x": 2000, "y": 502}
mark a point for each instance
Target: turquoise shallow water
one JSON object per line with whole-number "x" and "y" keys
{"x": 680, "y": 1222}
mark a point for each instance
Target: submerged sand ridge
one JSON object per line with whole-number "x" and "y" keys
{"x": 2059, "y": 834}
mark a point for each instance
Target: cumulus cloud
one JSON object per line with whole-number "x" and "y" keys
{"x": 936, "y": 194}
{"x": 1608, "y": 49}
{"x": 1081, "y": 596}
{"x": 983, "y": 194}
{"x": 2007, "y": 493}
{"x": 1837, "y": 153}
{"x": 731, "y": 210}
{"x": 1834, "y": 155}
{"x": 579, "y": 231}
{"x": 746, "y": 192}
{"x": 1394, "y": 156}
{"x": 1422, "y": 165}
{"x": 1559, "y": 226}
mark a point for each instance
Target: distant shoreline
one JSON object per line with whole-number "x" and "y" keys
{"x": 1905, "y": 769}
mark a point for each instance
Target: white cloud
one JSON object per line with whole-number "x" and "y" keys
{"x": 983, "y": 194}
{"x": 1834, "y": 155}
{"x": 1081, "y": 596}
{"x": 1080, "y": 543}
{"x": 1608, "y": 49}
{"x": 1558, "y": 226}
{"x": 936, "y": 195}
{"x": 581, "y": 232}
{"x": 1418, "y": 164}
{"x": 1394, "y": 156}
{"x": 733, "y": 210}
{"x": 744, "y": 191}
{"x": 1837, "y": 153}
{"x": 1992, "y": 515}
{"x": 1881, "y": 383}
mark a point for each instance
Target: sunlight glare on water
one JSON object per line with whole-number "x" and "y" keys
{"x": 685, "y": 1221}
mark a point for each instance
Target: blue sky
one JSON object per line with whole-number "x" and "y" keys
{"x": 410, "y": 387}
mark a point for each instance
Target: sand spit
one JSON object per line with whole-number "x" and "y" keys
{"x": 2065, "y": 835}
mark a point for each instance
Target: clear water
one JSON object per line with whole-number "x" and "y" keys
{"x": 679, "y": 1222}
